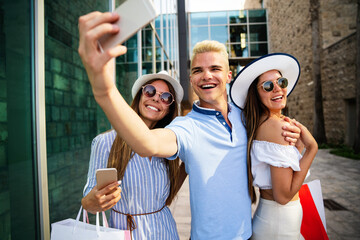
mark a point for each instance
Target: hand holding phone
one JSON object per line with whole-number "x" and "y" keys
{"x": 105, "y": 176}
{"x": 134, "y": 15}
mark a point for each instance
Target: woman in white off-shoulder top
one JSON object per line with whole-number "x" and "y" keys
{"x": 277, "y": 168}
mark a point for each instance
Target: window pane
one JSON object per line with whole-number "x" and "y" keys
{"x": 258, "y": 50}
{"x": 238, "y": 34}
{"x": 257, "y": 15}
{"x": 237, "y": 16}
{"x": 147, "y": 54}
{"x": 258, "y": 33}
{"x": 158, "y": 53}
{"x": 132, "y": 42}
{"x": 147, "y": 68}
{"x": 199, "y": 34}
{"x": 219, "y": 33}
{"x": 147, "y": 38}
{"x": 218, "y": 18}
{"x": 157, "y": 22}
{"x": 199, "y": 19}
{"x": 131, "y": 55}
{"x": 239, "y": 50}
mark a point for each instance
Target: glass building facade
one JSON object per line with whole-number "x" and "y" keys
{"x": 48, "y": 116}
{"x": 244, "y": 32}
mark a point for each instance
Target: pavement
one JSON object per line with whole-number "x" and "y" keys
{"x": 340, "y": 182}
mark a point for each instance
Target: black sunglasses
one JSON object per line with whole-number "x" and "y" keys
{"x": 268, "y": 86}
{"x": 165, "y": 97}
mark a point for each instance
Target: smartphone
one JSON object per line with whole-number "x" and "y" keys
{"x": 134, "y": 15}
{"x": 105, "y": 176}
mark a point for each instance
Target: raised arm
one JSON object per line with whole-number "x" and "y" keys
{"x": 100, "y": 69}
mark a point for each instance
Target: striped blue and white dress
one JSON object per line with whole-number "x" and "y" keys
{"x": 145, "y": 188}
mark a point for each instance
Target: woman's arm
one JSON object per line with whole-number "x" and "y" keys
{"x": 286, "y": 182}
{"x": 97, "y": 200}
{"x": 100, "y": 69}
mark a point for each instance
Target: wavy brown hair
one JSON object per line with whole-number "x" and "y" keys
{"x": 253, "y": 110}
{"x": 121, "y": 153}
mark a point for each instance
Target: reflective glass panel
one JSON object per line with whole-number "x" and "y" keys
{"x": 258, "y": 33}
{"x": 218, "y": 18}
{"x": 199, "y": 19}
{"x": 147, "y": 54}
{"x": 198, "y": 34}
{"x": 19, "y": 205}
{"x": 132, "y": 55}
{"x": 259, "y": 49}
{"x": 239, "y": 50}
{"x": 219, "y": 33}
{"x": 238, "y": 34}
{"x": 257, "y": 15}
{"x": 237, "y": 16}
{"x": 147, "y": 38}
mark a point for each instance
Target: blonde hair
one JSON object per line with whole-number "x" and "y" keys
{"x": 210, "y": 46}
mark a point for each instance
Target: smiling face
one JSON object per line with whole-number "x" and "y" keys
{"x": 151, "y": 109}
{"x": 209, "y": 75}
{"x": 274, "y": 100}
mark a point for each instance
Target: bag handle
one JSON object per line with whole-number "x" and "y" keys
{"x": 86, "y": 220}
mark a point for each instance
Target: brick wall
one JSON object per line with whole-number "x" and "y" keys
{"x": 73, "y": 118}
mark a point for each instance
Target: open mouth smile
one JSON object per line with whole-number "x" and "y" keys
{"x": 208, "y": 86}
{"x": 152, "y": 108}
{"x": 277, "y": 98}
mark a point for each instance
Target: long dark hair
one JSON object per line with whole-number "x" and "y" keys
{"x": 253, "y": 110}
{"x": 121, "y": 153}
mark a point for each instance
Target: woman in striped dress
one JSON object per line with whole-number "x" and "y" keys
{"x": 148, "y": 184}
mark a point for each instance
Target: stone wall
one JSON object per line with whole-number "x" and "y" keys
{"x": 339, "y": 87}
{"x": 290, "y": 31}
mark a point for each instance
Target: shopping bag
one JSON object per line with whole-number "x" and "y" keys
{"x": 313, "y": 226}
{"x": 70, "y": 229}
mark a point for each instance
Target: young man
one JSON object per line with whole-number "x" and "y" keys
{"x": 211, "y": 139}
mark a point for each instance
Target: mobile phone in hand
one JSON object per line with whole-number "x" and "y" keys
{"x": 134, "y": 15}
{"x": 105, "y": 176}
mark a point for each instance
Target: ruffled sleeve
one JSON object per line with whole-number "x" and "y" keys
{"x": 276, "y": 155}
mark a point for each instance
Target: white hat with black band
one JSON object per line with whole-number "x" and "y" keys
{"x": 286, "y": 64}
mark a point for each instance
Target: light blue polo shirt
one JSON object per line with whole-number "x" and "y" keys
{"x": 215, "y": 160}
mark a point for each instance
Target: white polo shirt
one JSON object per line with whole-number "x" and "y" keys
{"x": 215, "y": 160}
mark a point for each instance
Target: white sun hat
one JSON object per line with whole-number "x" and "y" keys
{"x": 162, "y": 75}
{"x": 286, "y": 64}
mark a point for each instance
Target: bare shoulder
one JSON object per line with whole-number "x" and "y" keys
{"x": 271, "y": 131}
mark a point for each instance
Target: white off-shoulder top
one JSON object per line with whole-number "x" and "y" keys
{"x": 263, "y": 154}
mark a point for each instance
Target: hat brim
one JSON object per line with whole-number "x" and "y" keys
{"x": 146, "y": 78}
{"x": 288, "y": 66}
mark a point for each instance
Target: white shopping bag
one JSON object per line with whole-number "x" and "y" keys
{"x": 70, "y": 229}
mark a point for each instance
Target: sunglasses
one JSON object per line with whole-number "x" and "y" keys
{"x": 268, "y": 86}
{"x": 150, "y": 91}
